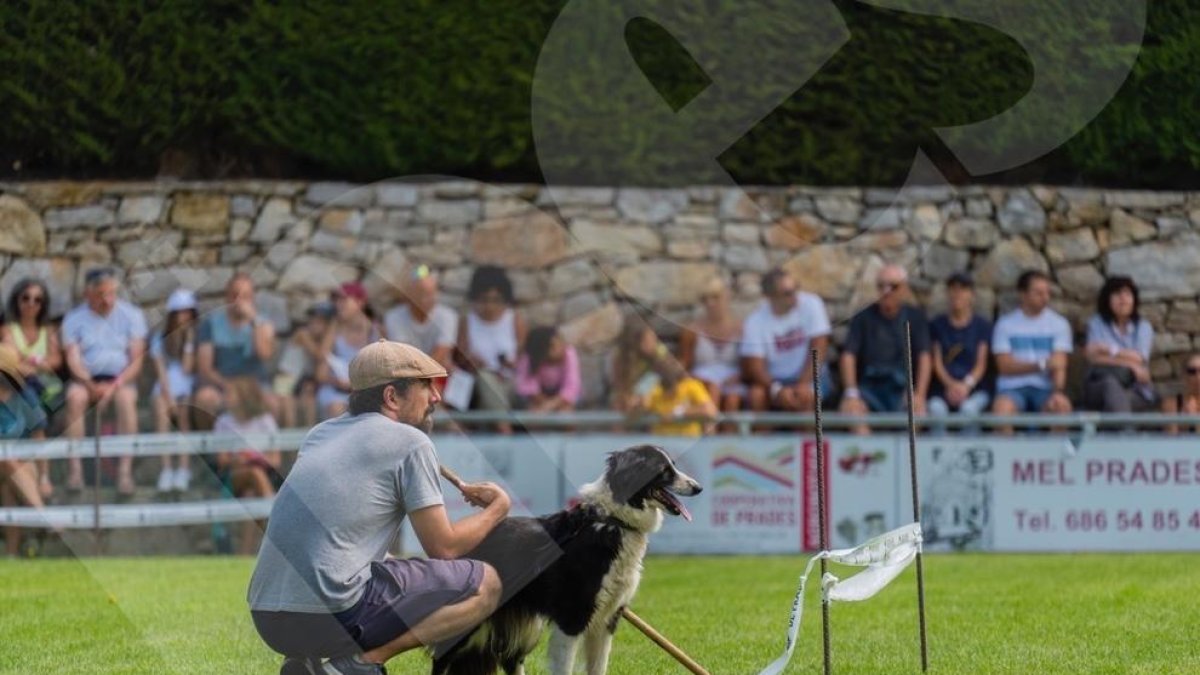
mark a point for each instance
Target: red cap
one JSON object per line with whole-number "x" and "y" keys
{"x": 352, "y": 289}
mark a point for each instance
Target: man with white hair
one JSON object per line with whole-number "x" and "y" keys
{"x": 105, "y": 340}
{"x": 420, "y": 320}
{"x": 873, "y": 365}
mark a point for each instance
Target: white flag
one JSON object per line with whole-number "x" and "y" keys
{"x": 885, "y": 557}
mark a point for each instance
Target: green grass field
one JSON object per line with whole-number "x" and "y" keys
{"x": 987, "y": 613}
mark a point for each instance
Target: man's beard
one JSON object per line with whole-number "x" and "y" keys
{"x": 425, "y": 424}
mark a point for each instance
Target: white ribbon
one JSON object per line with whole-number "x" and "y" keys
{"x": 885, "y": 557}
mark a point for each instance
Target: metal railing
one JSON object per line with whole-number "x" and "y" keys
{"x": 155, "y": 444}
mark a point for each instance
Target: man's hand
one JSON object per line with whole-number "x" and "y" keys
{"x": 484, "y": 494}
{"x": 956, "y": 393}
{"x": 1057, "y": 400}
{"x": 1141, "y": 374}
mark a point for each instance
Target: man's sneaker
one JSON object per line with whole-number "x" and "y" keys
{"x": 180, "y": 479}
{"x": 299, "y": 665}
{"x": 351, "y": 665}
{"x": 166, "y": 480}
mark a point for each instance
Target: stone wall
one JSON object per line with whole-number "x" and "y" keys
{"x": 577, "y": 254}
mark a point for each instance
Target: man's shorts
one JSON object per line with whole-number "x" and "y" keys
{"x": 400, "y": 594}
{"x": 1028, "y": 399}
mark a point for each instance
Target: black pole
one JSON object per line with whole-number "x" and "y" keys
{"x": 916, "y": 502}
{"x": 816, "y": 373}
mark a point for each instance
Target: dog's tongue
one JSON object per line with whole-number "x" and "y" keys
{"x": 677, "y": 505}
{"x": 687, "y": 515}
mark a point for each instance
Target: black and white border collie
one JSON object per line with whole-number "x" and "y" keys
{"x": 575, "y": 569}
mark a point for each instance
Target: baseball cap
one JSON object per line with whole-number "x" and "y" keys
{"x": 961, "y": 279}
{"x": 386, "y": 361}
{"x": 9, "y": 362}
{"x": 181, "y": 299}
{"x": 325, "y": 310}
{"x": 352, "y": 289}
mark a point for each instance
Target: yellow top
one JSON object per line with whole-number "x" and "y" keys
{"x": 39, "y": 347}
{"x": 689, "y": 393}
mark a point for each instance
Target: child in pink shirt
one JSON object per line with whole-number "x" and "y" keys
{"x": 547, "y": 377}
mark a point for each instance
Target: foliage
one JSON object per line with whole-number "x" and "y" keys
{"x": 365, "y": 90}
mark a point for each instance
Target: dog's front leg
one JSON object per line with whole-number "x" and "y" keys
{"x": 562, "y": 651}
{"x": 597, "y": 643}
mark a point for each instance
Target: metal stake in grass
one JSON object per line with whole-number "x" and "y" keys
{"x": 816, "y": 373}
{"x": 912, "y": 462}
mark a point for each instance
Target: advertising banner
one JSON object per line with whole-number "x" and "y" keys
{"x": 957, "y": 477}
{"x": 751, "y": 497}
{"x": 860, "y": 479}
{"x": 1028, "y": 493}
{"x": 1040, "y": 493}
{"x": 1113, "y": 495}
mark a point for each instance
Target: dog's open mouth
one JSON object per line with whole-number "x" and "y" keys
{"x": 671, "y": 504}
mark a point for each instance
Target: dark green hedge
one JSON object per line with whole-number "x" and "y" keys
{"x": 366, "y": 89}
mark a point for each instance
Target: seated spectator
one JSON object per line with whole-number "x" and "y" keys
{"x": 547, "y": 373}
{"x": 680, "y": 401}
{"x": 105, "y": 340}
{"x": 490, "y": 336}
{"x": 420, "y": 320}
{"x": 173, "y": 352}
{"x": 29, "y": 331}
{"x": 777, "y": 340}
{"x": 1118, "y": 352}
{"x": 233, "y": 341}
{"x": 1031, "y": 344}
{"x": 248, "y": 473}
{"x": 873, "y": 364}
{"x": 631, "y": 364}
{"x": 296, "y": 379}
{"x": 708, "y": 347}
{"x": 21, "y": 416}
{"x": 1186, "y": 402}
{"x": 959, "y": 340}
{"x": 352, "y": 330}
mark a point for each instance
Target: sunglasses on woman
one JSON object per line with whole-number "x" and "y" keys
{"x": 32, "y": 299}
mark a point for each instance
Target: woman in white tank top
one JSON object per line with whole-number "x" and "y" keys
{"x": 709, "y": 347}
{"x": 491, "y": 334}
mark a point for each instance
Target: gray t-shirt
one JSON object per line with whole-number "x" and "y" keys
{"x": 354, "y": 481}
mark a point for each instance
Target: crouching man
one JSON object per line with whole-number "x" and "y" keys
{"x": 323, "y": 586}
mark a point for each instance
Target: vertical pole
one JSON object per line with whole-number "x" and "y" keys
{"x": 821, "y": 524}
{"x": 916, "y": 502}
{"x": 96, "y": 488}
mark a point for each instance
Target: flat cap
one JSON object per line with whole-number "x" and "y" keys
{"x": 386, "y": 361}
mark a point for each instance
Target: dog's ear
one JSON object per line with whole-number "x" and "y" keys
{"x": 626, "y": 475}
